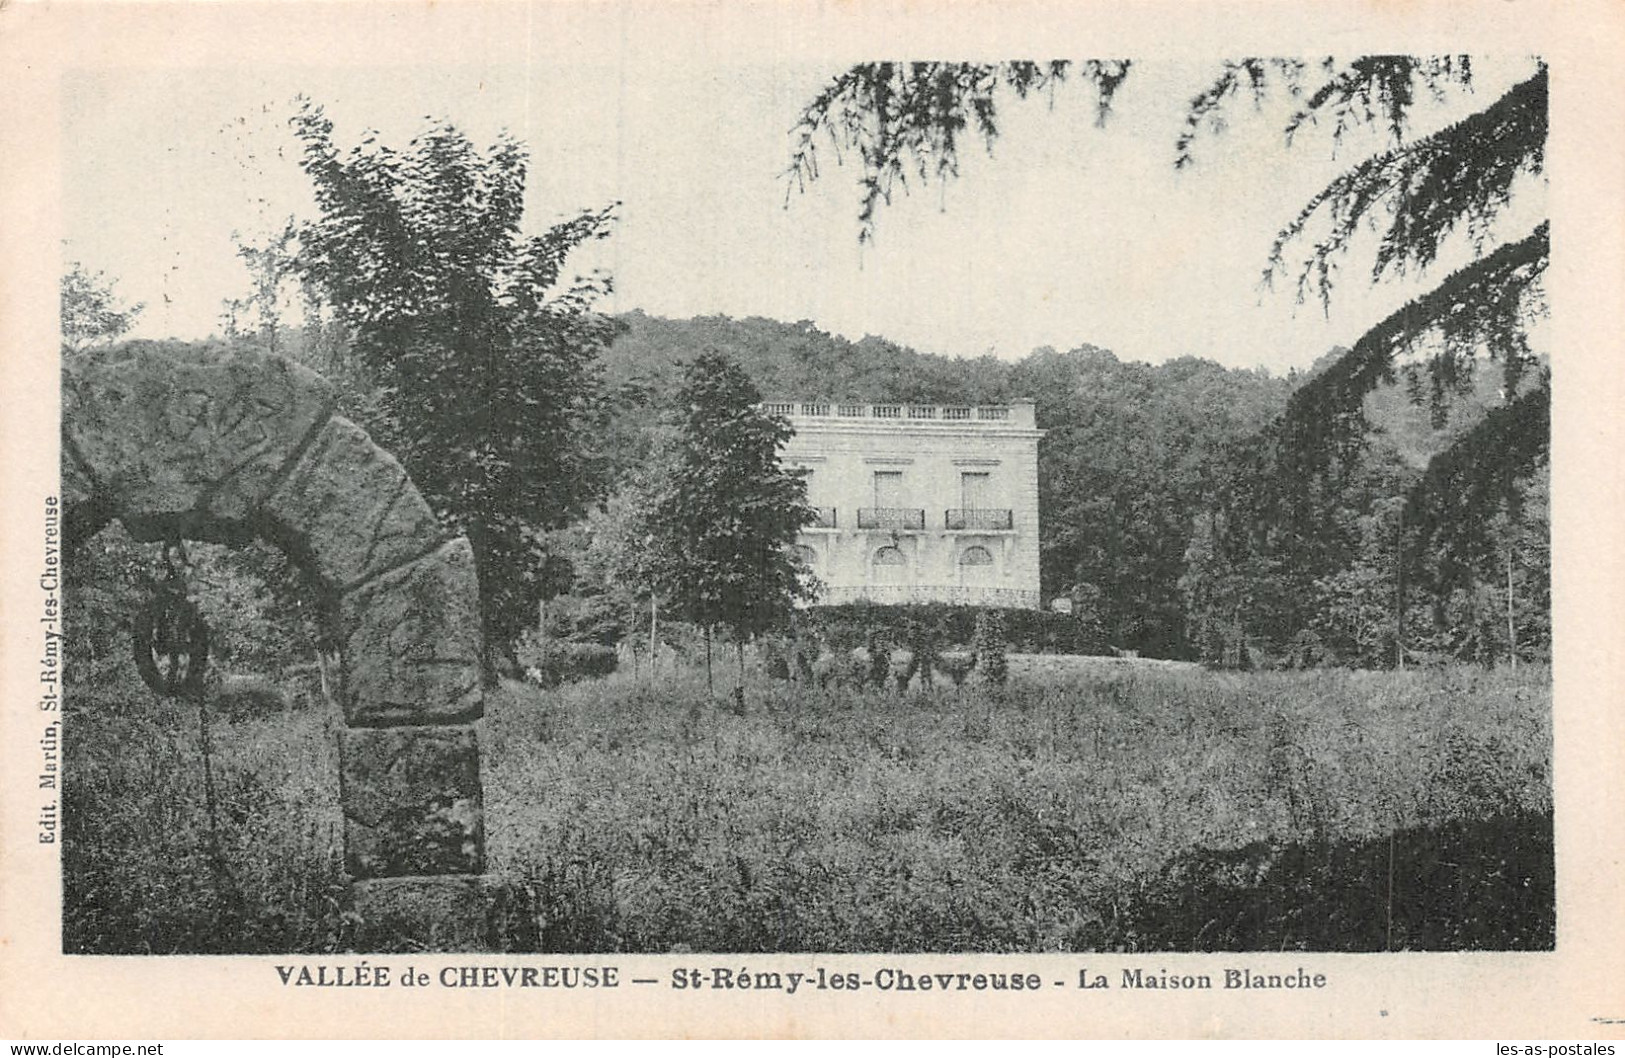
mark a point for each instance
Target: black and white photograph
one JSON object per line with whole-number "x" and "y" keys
{"x": 780, "y": 502}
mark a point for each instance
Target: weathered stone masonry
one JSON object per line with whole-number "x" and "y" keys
{"x": 225, "y": 445}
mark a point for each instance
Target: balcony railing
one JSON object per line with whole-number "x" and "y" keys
{"x": 823, "y": 518}
{"x": 986, "y": 519}
{"x": 891, "y": 518}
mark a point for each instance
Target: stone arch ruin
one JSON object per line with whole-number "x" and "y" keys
{"x": 225, "y": 445}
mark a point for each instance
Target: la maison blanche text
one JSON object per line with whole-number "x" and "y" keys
{"x": 742, "y": 978}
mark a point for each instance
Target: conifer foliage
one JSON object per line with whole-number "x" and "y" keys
{"x": 904, "y": 121}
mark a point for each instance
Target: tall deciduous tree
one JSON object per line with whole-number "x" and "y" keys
{"x": 484, "y": 351}
{"x": 727, "y": 513}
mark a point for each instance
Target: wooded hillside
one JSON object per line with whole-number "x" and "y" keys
{"x": 1137, "y": 464}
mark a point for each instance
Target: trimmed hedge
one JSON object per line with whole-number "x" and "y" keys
{"x": 950, "y": 625}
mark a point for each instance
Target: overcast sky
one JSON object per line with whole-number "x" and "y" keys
{"x": 1069, "y": 234}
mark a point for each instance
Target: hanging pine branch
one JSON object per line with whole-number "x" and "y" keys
{"x": 907, "y": 119}
{"x": 1483, "y": 306}
{"x": 1449, "y": 509}
{"x": 1419, "y": 194}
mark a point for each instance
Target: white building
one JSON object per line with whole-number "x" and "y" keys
{"x": 919, "y": 502}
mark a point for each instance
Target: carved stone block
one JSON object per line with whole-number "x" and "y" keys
{"x": 411, "y": 643}
{"x": 411, "y": 801}
{"x": 349, "y": 507}
{"x": 446, "y": 914}
{"x": 169, "y": 429}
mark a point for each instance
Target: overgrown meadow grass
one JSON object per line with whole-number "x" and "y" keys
{"x": 145, "y": 871}
{"x": 1091, "y": 806}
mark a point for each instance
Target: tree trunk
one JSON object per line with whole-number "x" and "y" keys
{"x": 1512, "y": 624}
{"x": 710, "y": 685}
{"x": 1399, "y": 592}
{"x": 654, "y": 643}
{"x": 739, "y": 687}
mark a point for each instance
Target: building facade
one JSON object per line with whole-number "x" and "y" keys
{"x": 919, "y": 502}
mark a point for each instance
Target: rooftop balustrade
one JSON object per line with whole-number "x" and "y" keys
{"x": 1017, "y": 413}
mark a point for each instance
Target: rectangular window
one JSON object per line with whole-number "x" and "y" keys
{"x": 888, "y": 488}
{"x": 974, "y": 493}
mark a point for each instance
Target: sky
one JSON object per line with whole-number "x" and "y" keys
{"x": 1068, "y": 234}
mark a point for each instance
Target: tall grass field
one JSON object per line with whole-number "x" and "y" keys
{"x": 1089, "y": 805}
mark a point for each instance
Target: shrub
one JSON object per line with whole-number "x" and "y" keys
{"x": 585, "y": 619}
{"x": 790, "y": 658}
{"x": 879, "y": 660}
{"x": 924, "y": 652}
{"x": 551, "y": 662}
{"x": 806, "y": 658}
{"x": 987, "y": 646}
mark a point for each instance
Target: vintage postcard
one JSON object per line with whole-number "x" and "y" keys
{"x": 790, "y": 520}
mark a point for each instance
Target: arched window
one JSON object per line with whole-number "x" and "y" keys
{"x": 890, "y": 565}
{"x": 975, "y": 565}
